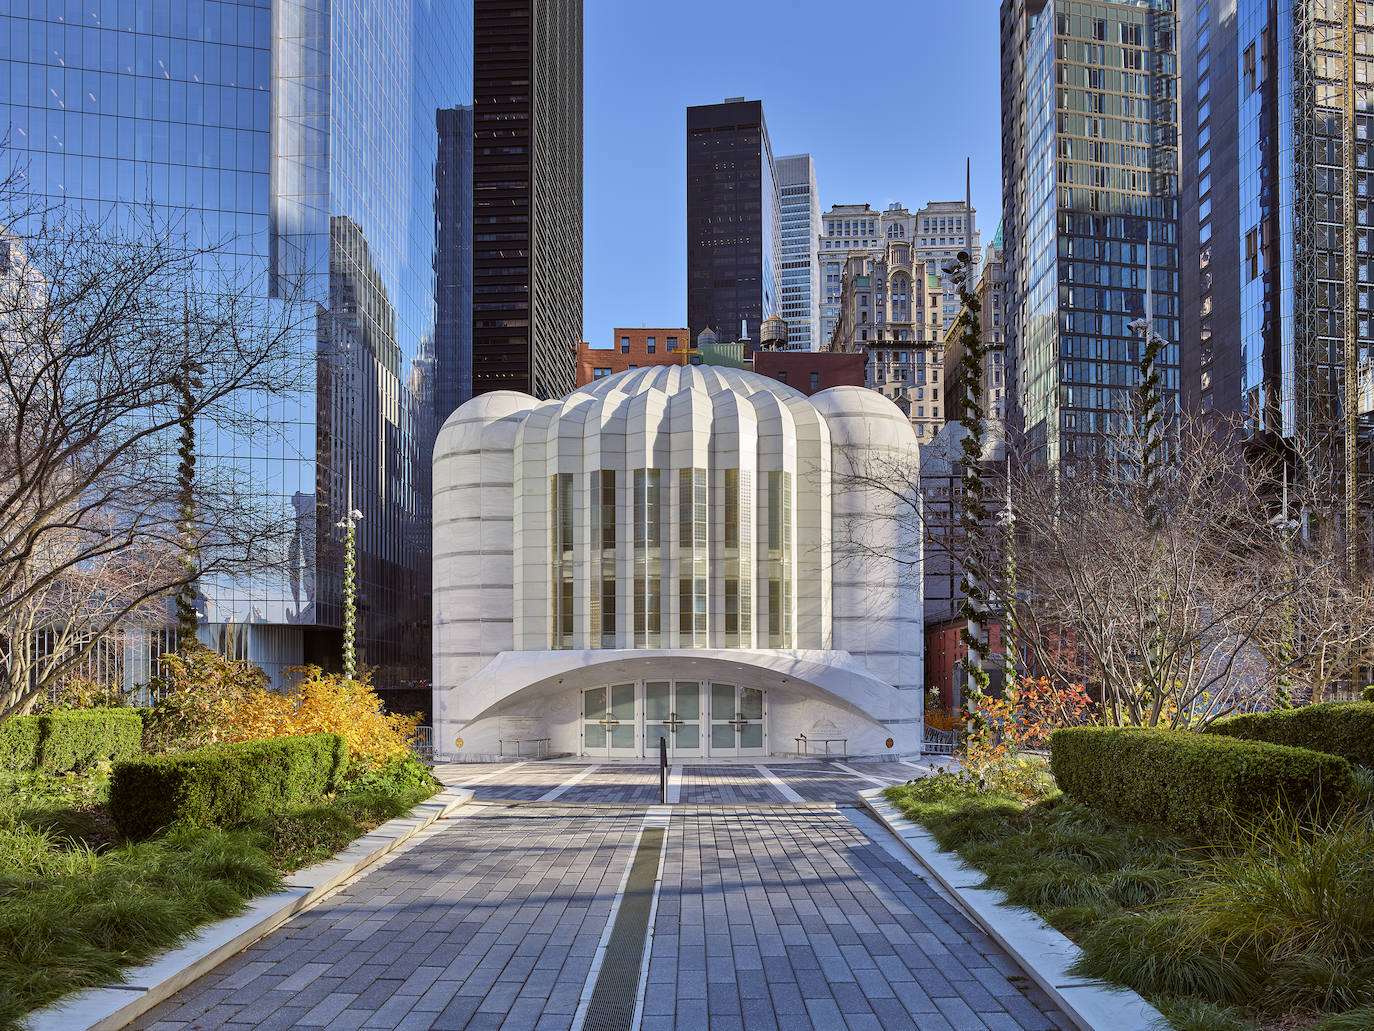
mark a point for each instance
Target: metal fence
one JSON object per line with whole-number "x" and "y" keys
{"x": 422, "y": 744}
{"x": 937, "y": 742}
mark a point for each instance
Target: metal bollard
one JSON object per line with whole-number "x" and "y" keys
{"x": 663, "y": 770}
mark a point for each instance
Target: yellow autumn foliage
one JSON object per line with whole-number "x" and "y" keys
{"x": 317, "y": 702}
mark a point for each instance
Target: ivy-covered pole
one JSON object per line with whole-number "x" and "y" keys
{"x": 350, "y": 589}
{"x": 1283, "y": 684}
{"x": 188, "y": 381}
{"x": 1006, "y": 519}
{"x": 973, "y": 512}
{"x": 1150, "y": 402}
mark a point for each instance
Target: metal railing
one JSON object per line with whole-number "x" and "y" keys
{"x": 937, "y": 742}
{"x": 422, "y": 744}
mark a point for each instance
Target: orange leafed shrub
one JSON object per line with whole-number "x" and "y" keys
{"x": 324, "y": 703}
{"x": 941, "y": 720}
{"x": 1036, "y": 708}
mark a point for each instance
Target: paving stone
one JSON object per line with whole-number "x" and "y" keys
{"x": 770, "y": 916}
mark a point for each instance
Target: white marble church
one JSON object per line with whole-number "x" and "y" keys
{"x": 676, "y": 552}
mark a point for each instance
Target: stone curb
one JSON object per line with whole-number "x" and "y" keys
{"x": 113, "y": 1006}
{"x": 1041, "y": 951}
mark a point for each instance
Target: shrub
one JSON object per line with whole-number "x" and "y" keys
{"x": 1192, "y": 783}
{"x": 19, "y": 740}
{"x": 1339, "y": 728}
{"x": 223, "y": 785}
{"x": 81, "y": 738}
{"x": 1368, "y": 693}
{"x": 59, "y": 742}
{"x": 198, "y": 691}
{"x": 323, "y": 703}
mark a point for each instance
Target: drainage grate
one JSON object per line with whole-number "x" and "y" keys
{"x": 612, "y": 1006}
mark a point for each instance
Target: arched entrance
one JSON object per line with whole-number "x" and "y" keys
{"x": 698, "y": 719}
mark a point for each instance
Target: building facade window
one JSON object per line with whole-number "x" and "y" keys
{"x": 603, "y": 538}
{"x": 693, "y": 569}
{"x": 561, "y": 566}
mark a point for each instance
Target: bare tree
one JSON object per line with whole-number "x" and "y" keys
{"x": 99, "y": 325}
{"x": 1161, "y": 593}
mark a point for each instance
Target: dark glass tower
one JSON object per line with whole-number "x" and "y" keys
{"x": 306, "y": 133}
{"x": 453, "y": 261}
{"x": 734, "y": 228}
{"x": 1264, "y": 220}
{"x": 1089, "y": 175}
{"x": 527, "y": 199}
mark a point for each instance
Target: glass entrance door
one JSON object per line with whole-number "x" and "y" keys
{"x": 736, "y": 720}
{"x": 609, "y": 724}
{"x": 672, "y": 709}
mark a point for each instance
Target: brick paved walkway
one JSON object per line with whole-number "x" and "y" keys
{"x": 788, "y": 916}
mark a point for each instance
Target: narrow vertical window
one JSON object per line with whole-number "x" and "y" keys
{"x": 738, "y": 539}
{"x": 692, "y": 558}
{"x": 603, "y": 558}
{"x": 561, "y": 564}
{"x": 648, "y": 558}
{"x": 778, "y": 498}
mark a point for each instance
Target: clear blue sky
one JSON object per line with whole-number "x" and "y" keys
{"x": 889, "y": 102}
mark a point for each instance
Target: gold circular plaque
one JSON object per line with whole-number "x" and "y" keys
{"x": 889, "y": 742}
{"x": 458, "y": 741}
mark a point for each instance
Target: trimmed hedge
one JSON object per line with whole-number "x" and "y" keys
{"x": 19, "y": 740}
{"x": 1195, "y": 784}
{"x": 59, "y": 742}
{"x": 1338, "y": 728}
{"x": 1368, "y": 693}
{"x": 223, "y": 785}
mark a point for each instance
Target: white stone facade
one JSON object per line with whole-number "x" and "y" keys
{"x": 609, "y": 567}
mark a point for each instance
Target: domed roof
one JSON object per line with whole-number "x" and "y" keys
{"x": 672, "y": 379}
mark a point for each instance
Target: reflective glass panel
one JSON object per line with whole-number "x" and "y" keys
{"x": 722, "y": 702}
{"x": 594, "y": 703}
{"x": 722, "y": 735}
{"x": 688, "y": 700}
{"x": 751, "y": 703}
{"x": 623, "y": 702}
{"x": 657, "y": 700}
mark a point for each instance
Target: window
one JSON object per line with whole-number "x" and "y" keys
{"x": 599, "y": 373}
{"x": 815, "y": 381}
{"x": 672, "y": 343}
{"x": 624, "y": 345}
{"x": 782, "y": 375}
{"x": 652, "y": 345}
{"x": 1249, "y": 65}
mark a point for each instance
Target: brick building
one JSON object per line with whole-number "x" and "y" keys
{"x": 812, "y": 371}
{"x": 632, "y": 349}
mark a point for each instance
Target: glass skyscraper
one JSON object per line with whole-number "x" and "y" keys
{"x": 1263, "y": 229}
{"x": 1089, "y": 180}
{"x": 325, "y": 140}
{"x": 734, "y": 228}
{"x": 800, "y": 216}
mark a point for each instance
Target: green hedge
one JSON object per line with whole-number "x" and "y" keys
{"x": 1192, "y": 783}
{"x": 58, "y": 742}
{"x": 19, "y": 740}
{"x": 1338, "y": 728}
{"x": 223, "y": 785}
{"x": 1368, "y": 693}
